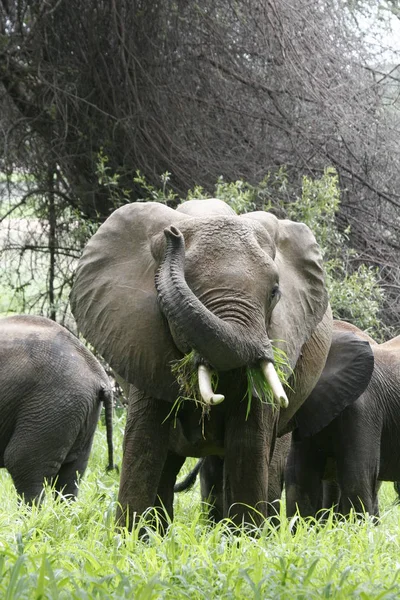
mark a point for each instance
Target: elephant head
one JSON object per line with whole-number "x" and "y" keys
{"x": 154, "y": 283}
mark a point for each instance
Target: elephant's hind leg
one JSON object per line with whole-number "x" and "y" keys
{"x": 359, "y": 487}
{"x": 358, "y": 458}
{"x": 66, "y": 482}
{"x": 211, "y": 481}
{"x": 165, "y": 492}
{"x": 30, "y": 468}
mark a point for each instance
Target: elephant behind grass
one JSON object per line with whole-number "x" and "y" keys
{"x": 52, "y": 390}
{"x": 156, "y": 285}
{"x": 344, "y": 463}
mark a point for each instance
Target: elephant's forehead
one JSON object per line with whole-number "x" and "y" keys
{"x": 227, "y": 249}
{"x": 230, "y": 232}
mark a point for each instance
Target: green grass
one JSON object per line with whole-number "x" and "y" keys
{"x": 185, "y": 372}
{"x": 73, "y": 550}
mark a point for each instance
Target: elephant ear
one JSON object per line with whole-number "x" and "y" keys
{"x": 345, "y": 377}
{"x": 114, "y": 300}
{"x": 304, "y": 298}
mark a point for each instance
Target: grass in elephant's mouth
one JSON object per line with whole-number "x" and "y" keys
{"x": 185, "y": 372}
{"x": 258, "y": 387}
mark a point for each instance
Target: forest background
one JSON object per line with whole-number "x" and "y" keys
{"x": 289, "y": 106}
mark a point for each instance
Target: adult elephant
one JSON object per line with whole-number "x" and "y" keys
{"x": 51, "y": 392}
{"x": 360, "y": 447}
{"x": 152, "y": 285}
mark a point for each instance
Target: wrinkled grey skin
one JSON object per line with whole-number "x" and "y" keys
{"x": 155, "y": 283}
{"x": 344, "y": 463}
{"x": 52, "y": 388}
{"x": 211, "y": 478}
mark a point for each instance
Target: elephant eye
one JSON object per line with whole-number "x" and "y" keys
{"x": 275, "y": 294}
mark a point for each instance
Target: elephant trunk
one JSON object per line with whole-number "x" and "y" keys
{"x": 224, "y": 344}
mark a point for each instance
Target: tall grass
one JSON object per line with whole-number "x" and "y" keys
{"x": 74, "y": 551}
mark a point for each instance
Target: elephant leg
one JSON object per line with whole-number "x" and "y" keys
{"x": 396, "y": 485}
{"x": 376, "y": 503}
{"x": 276, "y": 476}
{"x": 211, "y": 484}
{"x": 275, "y": 490}
{"x": 357, "y": 458}
{"x": 30, "y": 463}
{"x": 358, "y": 480}
{"x": 67, "y": 478}
{"x": 165, "y": 492}
{"x": 145, "y": 450}
{"x": 303, "y": 478}
{"x": 29, "y": 485}
{"x": 247, "y": 449}
{"x": 66, "y": 482}
{"x": 330, "y": 494}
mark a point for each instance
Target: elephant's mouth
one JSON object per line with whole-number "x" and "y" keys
{"x": 207, "y": 394}
{"x": 223, "y": 343}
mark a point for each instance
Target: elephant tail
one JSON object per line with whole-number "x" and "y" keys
{"x": 106, "y": 397}
{"x": 189, "y": 481}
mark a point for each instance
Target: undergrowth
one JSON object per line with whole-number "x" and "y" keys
{"x": 74, "y": 551}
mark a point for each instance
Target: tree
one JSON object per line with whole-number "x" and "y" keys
{"x": 202, "y": 89}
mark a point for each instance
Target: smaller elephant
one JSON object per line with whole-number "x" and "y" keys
{"x": 211, "y": 479}
{"x": 51, "y": 391}
{"x": 344, "y": 463}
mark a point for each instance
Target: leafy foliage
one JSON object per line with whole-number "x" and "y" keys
{"x": 244, "y": 197}
{"x": 165, "y": 195}
{"x": 354, "y": 290}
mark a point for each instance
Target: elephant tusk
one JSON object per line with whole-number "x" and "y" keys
{"x": 272, "y": 378}
{"x": 206, "y": 392}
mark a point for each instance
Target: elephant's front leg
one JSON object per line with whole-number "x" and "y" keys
{"x": 247, "y": 450}
{"x": 145, "y": 451}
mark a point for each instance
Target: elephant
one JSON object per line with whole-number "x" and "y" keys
{"x": 343, "y": 464}
{"x": 156, "y": 286}
{"x": 52, "y": 390}
{"x": 211, "y": 483}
